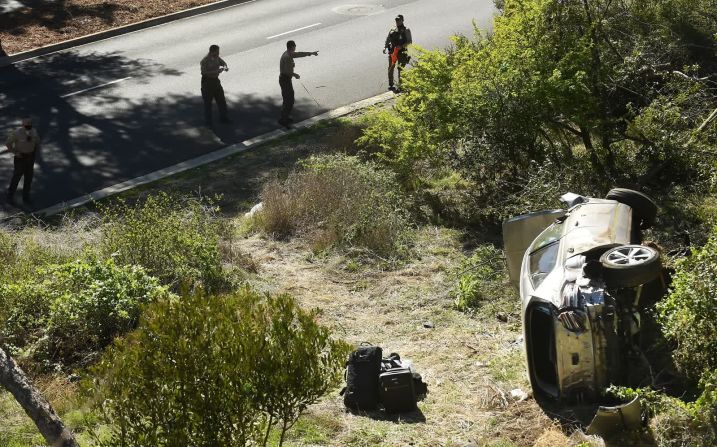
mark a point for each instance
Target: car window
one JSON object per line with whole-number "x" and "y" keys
{"x": 550, "y": 235}
{"x": 542, "y": 262}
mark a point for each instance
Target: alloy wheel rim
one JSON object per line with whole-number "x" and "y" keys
{"x": 630, "y": 255}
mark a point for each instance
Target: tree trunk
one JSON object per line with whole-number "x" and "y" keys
{"x": 39, "y": 410}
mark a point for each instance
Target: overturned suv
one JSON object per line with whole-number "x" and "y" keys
{"x": 584, "y": 279}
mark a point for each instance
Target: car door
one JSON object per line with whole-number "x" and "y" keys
{"x": 519, "y": 232}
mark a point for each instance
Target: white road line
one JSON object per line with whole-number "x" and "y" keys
{"x": 294, "y": 30}
{"x": 95, "y": 87}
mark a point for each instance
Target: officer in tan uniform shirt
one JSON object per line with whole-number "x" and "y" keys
{"x": 212, "y": 89}
{"x": 24, "y": 143}
{"x": 286, "y": 73}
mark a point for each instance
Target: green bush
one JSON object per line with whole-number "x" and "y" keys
{"x": 337, "y": 200}
{"x": 22, "y": 252}
{"x": 482, "y": 282}
{"x": 68, "y": 312}
{"x": 689, "y": 313}
{"x": 175, "y": 240}
{"x": 627, "y": 103}
{"x": 673, "y": 422}
{"x": 24, "y": 310}
{"x": 219, "y": 370}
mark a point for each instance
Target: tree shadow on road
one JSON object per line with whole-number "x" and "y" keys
{"x": 18, "y": 14}
{"x": 94, "y": 140}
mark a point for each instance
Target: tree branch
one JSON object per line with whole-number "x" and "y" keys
{"x": 34, "y": 404}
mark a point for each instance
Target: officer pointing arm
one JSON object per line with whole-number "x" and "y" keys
{"x": 286, "y": 73}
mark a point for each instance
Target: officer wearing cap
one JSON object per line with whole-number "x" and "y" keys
{"x": 24, "y": 144}
{"x": 396, "y": 42}
{"x": 212, "y": 89}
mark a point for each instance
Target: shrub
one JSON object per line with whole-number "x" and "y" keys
{"x": 482, "y": 280}
{"x": 24, "y": 310}
{"x": 627, "y": 104}
{"x": 689, "y": 313}
{"x": 219, "y": 371}
{"x": 71, "y": 311}
{"x": 176, "y": 240}
{"x": 304, "y": 361}
{"x": 674, "y": 423}
{"x": 22, "y": 252}
{"x": 337, "y": 200}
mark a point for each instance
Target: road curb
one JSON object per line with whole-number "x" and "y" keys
{"x": 210, "y": 157}
{"x": 114, "y": 32}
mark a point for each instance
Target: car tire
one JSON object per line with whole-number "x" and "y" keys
{"x": 630, "y": 265}
{"x": 642, "y": 206}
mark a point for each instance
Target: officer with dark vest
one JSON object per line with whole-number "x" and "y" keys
{"x": 397, "y": 41}
{"x": 212, "y": 89}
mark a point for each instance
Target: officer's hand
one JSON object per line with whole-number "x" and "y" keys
{"x": 296, "y": 75}
{"x": 315, "y": 53}
{"x": 384, "y": 51}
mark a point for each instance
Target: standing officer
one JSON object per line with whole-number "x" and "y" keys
{"x": 286, "y": 73}
{"x": 212, "y": 89}
{"x": 24, "y": 143}
{"x": 396, "y": 42}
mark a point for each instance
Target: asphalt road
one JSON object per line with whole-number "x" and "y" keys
{"x": 120, "y": 108}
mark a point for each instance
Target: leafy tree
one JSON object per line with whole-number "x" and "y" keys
{"x": 220, "y": 370}
{"x": 625, "y": 85}
{"x": 304, "y": 361}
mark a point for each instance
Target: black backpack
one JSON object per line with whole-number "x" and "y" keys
{"x": 397, "y": 37}
{"x": 362, "y": 370}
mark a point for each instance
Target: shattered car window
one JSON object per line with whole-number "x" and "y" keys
{"x": 550, "y": 235}
{"x": 544, "y": 253}
{"x": 542, "y": 262}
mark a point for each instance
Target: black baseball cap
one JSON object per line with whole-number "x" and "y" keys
{"x": 399, "y": 17}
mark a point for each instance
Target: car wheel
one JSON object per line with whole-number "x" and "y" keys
{"x": 630, "y": 265}
{"x": 642, "y": 206}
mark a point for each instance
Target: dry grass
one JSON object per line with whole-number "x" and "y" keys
{"x": 470, "y": 364}
{"x": 51, "y": 22}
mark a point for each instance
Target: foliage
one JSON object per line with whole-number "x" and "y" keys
{"x": 482, "y": 281}
{"x": 337, "y": 200}
{"x": 70, "y": 311}
{"x": 673, "y": 422}
{"x": 219, "y": 370}
{"x": 602, "y": 92}
{"x": 302, "y": 357}
{"x": 176, "y": 240}
{"x": 23, "y": 251}
{"x": 689, "y": 313}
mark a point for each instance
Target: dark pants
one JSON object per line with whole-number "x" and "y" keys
{"x": 24, "y": 167}
{"x": 287, "y": 95}
{"x": 402, "y": 61}
{"x": 211, "y": 90}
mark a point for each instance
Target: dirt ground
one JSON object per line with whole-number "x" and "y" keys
{"x": 39, "y": 23}
{"x": 471, "y": 363}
